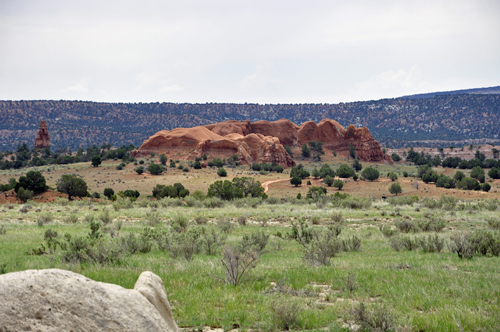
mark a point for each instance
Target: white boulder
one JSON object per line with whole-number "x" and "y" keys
{"x": 60, "y": 300}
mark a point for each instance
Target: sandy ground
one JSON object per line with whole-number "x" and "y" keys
{"x": 278, "y": 185}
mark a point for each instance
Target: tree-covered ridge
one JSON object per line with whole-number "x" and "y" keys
{"x": 392, "y": 121}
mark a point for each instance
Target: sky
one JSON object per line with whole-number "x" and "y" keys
{"x": 237, "y": 51}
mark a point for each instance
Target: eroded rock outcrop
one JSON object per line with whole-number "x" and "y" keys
{"x": 42, "y": 138}
{"x": 59, "y": 300}
{"x": 337, "y": 138}
{"x": 189, "y": 143}
{"x": 261, "y": 141}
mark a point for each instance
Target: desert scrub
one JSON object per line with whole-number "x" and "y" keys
{"x": 379, "y": 318}
{"x": 430, "y": 244}
{"x": 403, "y": 200}
{"x": 320, "y": 245}
{"x": 213, "y": 202}
{"x": 242, "y": 220}
{"x": 286, "y": 313}
{"x": 153, "y": 217}
{"x": 405, "y": 226}
{"x": 432, "y": 224}
{"x": 105, "y": 217}
{"x": 224, "y": 224}
{"x": 336, "y": 217}
{"x": 44, "y": 218}
{"x": 493, "y": 223}
{"x": 180, "y": 223}
{"x": 406, "y": 242}
{"x": 387, "y": 231}
{"x": 71, "y": 219}
{"x": 212, "y": 240}
{"x": 237, "y": 265}
{"x": 256, "y": 241}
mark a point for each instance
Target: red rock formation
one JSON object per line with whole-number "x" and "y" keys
{"x": 190, "y": 143}
{"x": 336, "y": 138}
{"x": 42, "y": 138}
{"x": 261, "y": 141}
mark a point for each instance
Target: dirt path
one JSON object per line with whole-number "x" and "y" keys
{"x": 266, "y": 184}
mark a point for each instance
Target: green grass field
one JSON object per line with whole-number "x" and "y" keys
{"x": 413, "y": 290}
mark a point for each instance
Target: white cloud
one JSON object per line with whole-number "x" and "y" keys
{"x": 80, "y": 87}
{"x": 260, "y": 79}
{"x": 245, "y": 51}
{"x": 172, "y": 88}
{"x": 391, "y": 83}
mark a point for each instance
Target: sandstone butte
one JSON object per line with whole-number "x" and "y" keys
{"x": 261, "y": 141}
{"x": 42, "y": 138}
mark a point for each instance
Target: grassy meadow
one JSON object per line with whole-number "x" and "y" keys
{"x": 368, "y": 286}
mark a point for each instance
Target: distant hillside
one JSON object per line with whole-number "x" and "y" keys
{"x": 393, "y": 122}
{"x": 484, "y": 91}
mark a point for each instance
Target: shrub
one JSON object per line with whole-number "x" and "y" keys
{"x": 431, "y": 243}
{"x": 225, "y": 225}
{"x": 212, "y": 241}
{"x": 320, "y": 244}
{"x": 213, "y": 202}
{"x": 236, "y": 265}
{"x": 493, "y": 223}
{"x": 256, "y": 241}
{"x": 105, "y": 217}
{"x": 44, "y": 218}
{"x": 200, "y": 220}
{"x": 337, "y": 217}
{"x": 285, "y": 313}
{"x": 108, "y": 192}
{"x": 71, "y": 219}
{"x": 404, "y": 200}
{"x": 180, "y": 223}
{"x": 296, "y": 181}
{"x": 393, "y": 176}
{"x": 461, "y": 244}
{"x": 339, "y": 184}
{"x": 155, "y": 169}
{"x": 221, "y": 172}
{"x": 191, "y": 201}
{"x": 139, "y": 170}
{"x": 328, "y": 180}
{"x": 199, "y": 195}
{"x": 405, "y": 226}
{"x": 24, "y": 194}
{"x": 448, "y": 202}
{"x": 395, "y": 189}
{"x": 242, "y": 220}
{"x": 387, "y": 231}
{"x": 370, "y": 173}
{"x": 353, "y": 243}
{"x": 345, "y": 171}
{"x": 431, "y": 225}
{"x": 356, "y": 203}
{"x": 395, "y": 157}
{"x": 186, "y": 169}
{"x": 378, "y": 319}
{"x": 72, "y": 186}
{"x": 33, "y": 181}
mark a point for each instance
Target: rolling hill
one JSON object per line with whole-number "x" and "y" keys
{"x": 440, "y": 117}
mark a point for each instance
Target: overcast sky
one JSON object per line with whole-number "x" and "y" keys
{"x": 245, "y": 51}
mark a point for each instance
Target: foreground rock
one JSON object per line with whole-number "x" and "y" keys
{"x": 42, "y": 138}
{"x": 59, "y": 300}
{"x": 261, "y": 141}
